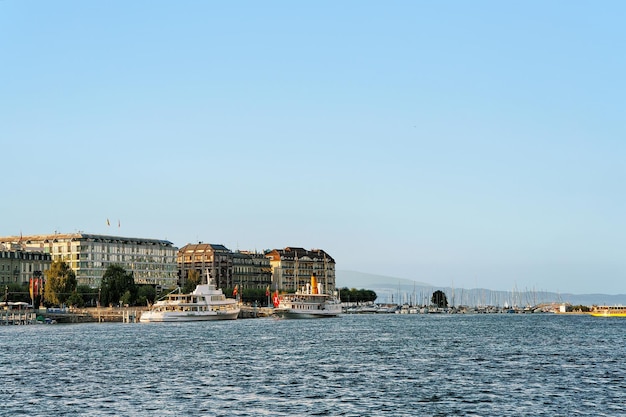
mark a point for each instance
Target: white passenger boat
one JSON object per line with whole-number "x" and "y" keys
{"x": 205, "y": 303}
{"x": 309, "y": 302}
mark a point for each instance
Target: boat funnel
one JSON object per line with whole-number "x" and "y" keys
{"x": 314, "y": 284}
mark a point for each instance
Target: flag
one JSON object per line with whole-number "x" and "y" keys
{"x": 35, "y": 287}
{"x": 276, "y": 299}
{"x": 30, "y": 287}
{"x": 118, "y": 224}
{"x": 235, "y": 290}
{"x": 108, "y": 222}
{"x": 267, "y": 291}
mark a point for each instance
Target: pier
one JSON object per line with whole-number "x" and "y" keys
{"x": 17, "y": 317}
{"x": 95, "y": 315}
{"x": 16, "y": 313}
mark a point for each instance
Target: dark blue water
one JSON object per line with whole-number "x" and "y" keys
{"x": 361, "y": 365}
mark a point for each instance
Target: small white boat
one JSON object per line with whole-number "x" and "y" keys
{"x": 205, "y": 303}
{"x": 309, "y": 302}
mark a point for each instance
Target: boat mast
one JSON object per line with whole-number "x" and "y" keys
{"x": 295, "y": 272}
{"x": 325, "y": 275}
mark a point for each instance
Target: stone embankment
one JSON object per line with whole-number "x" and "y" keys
{"x": 250, "y": 312}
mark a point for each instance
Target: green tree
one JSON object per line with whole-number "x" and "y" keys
{"x": 127, "y": 298}
{"x": 88, "y": 294}
{"x": 439, "y": 299}
{"x": 357, "y": 296}
{"x": 193, "y": 279}
{"x": 252, "y": 295}
{"x": 116, "y": 282}
{"x": 60, "y": 283}
{"x": 15, "y": 292}
{"x": 145, "y": 294}
{"x": 75, "y": 300}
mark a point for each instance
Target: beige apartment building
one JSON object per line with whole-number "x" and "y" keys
{"x": 285, "y": 269}
{"x": 212, "y": 262}
{"x": 18, "y": 265}
{"x": 226, "y": 268}
{"x": 151, "y": 261}
{"x": 251, "y": 270}
{"x": 292, "y": 268}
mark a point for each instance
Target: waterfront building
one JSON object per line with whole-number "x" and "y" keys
{"x": 251, "y": 270}
{"x": 151, "y": 261}
{"x": 18, "y": 264}
{"x": 292, "y": 268}
{"x": 212, "y": 262}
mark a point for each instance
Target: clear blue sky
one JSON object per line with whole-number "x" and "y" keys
{"x": 465, "y": 143}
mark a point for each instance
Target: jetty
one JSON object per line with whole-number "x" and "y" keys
{"x": 7, "y": 319}
{"x": 94, "y": 314}
{"x": 16, "y": 314}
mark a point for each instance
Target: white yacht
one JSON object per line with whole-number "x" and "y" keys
{"x": 206, "y": 302}
{"x": 308, "y": 302}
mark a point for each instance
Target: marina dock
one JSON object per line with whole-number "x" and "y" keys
{"x": 95, "y": 315}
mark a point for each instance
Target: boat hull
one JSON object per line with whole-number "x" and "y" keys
{"x": 155, "y": 317}
{"x": 295, "y": 314}
{"x": 610, "y": 314}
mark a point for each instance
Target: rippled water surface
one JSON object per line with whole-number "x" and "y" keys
{"x": 361, "y": 365}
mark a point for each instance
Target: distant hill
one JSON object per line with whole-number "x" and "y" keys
{"x": 358, "y": 280}
{"x": 388, "y": 289}
{"x": 399, "y": 290}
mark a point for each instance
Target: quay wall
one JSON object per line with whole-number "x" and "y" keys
{"x": 248, "y": 312}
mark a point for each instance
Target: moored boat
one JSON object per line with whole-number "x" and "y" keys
{"x": 308, "y": 302}
{"x": 205, "y": 303}
{"x": 608, "y": 311}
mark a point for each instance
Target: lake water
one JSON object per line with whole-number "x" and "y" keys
{"x": 355, "y": 365}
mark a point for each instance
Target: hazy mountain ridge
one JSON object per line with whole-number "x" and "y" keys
{"x": 354, "y": 279}
{"x": 399, "y": 290}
